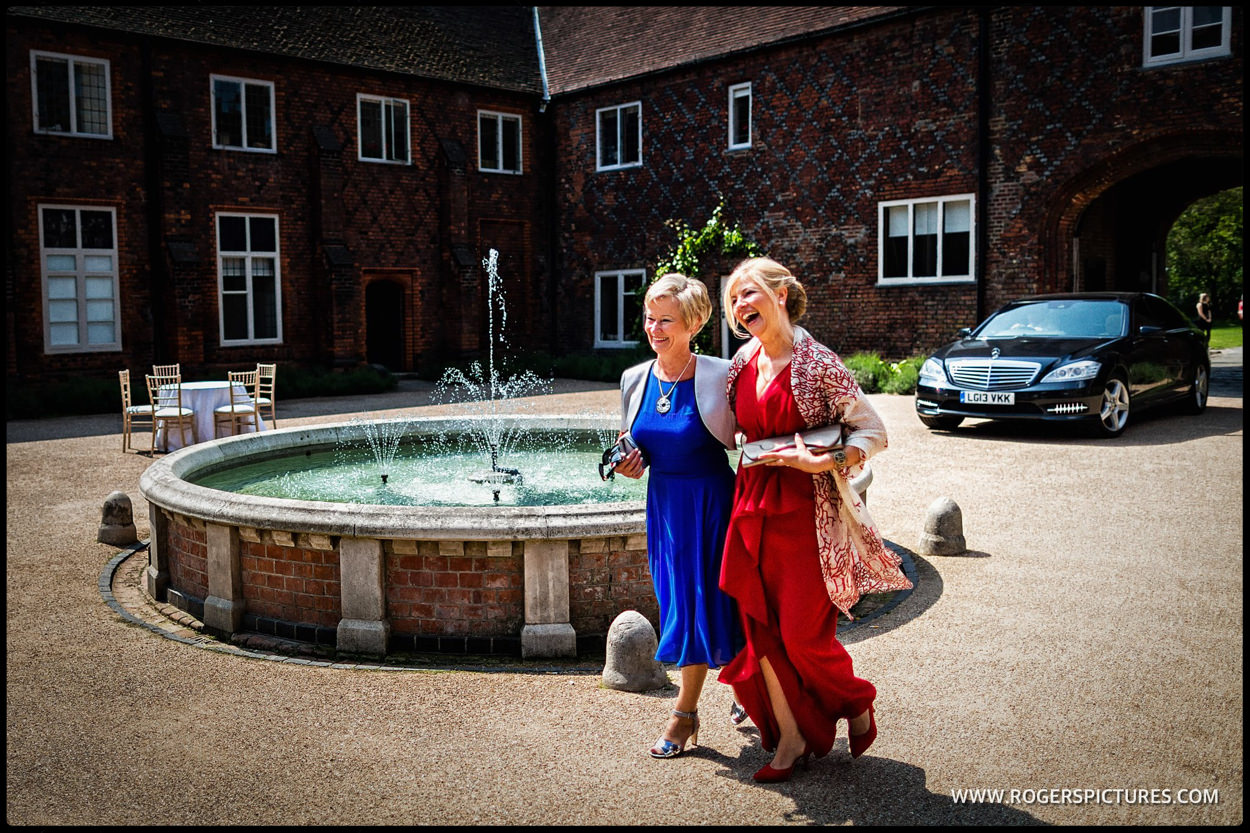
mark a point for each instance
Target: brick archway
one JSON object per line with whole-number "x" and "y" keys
{"x": 1106, "y": 227}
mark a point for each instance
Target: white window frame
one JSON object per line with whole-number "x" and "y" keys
{"x": 1185, "y": 30}
{"x": 626, "y": 280}
{"x": 71, "y": 60}
{"x": 388, "y": 106}
{"x": 273, "y": 113}
{"x": 619, "y": 109}
{"x": 80, "y": 273}
{"x": 249, "y": 257}
{"x": 910, "y": 279}
{"x": 739, "y": 96}
{"x": 499, "y": 118}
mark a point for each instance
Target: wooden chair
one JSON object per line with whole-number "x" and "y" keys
{"x": 265, "y": 399}
{"x": 167, "y": 369}
{"x": 133, "y": 416}
{"x": 242, "y": 408}
{"x": 165, "y": 392}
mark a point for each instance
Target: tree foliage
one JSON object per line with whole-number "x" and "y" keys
{"x": 1204, "y": 254}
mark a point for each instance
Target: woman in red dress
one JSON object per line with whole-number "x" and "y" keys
{"x": 800, "y": 545}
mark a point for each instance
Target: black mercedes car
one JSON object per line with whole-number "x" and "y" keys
{"x": 1091, "y": 358}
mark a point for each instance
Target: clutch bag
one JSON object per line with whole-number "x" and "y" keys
{"x": 819, "y": 440}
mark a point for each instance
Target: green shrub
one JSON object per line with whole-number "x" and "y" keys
{"x": 301, "y": 382}
{"x": 903, "y": 376}
{"x": 71, "y": 397}
{"x": 869, "y": 371}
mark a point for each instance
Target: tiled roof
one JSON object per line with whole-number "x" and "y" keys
{"x": 493, "y": 46}
{"x": 585, "y": 46}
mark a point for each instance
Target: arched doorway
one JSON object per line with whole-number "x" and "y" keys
{"x": 384, "y": 325}
{"x": 1109, "y": 227}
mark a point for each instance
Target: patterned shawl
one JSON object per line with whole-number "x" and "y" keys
{"x": 853, "y": 558}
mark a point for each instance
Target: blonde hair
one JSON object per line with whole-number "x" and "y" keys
{"x": 690, "y": 294}
{"x": 771, "y": 277}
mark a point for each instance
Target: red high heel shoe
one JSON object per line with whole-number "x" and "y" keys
{"x": 861, "y": 742}
{"x": 769, "y": 775}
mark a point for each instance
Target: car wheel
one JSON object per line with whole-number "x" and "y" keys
{"x": 946, "y": 423}
{"x": 1114, "y": 410}
{"x": 1196, "y": 402}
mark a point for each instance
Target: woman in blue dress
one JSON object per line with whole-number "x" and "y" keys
{"x": 678, "y": 413}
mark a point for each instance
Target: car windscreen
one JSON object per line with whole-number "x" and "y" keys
{"x": 1058, "y": 319}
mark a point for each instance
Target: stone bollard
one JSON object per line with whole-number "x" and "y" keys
{"x": 943, "y": 529}
{"x": 631, "y": 663}
{"x": 117, "y": 523}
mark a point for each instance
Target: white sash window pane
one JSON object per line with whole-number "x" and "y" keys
{"x": 926, "y": 218}
{"x": 60, "y": 229}
{"x": 98, "y": 263}
{"x": 609, "y": 309}
{"x": 264, "y": 236}
{"x": 630, "y": 119}
{"x": 52, "y": 77}
{"x": 511, "y": 144}
{"x": 609, "y": 140}
{"x": 399, "y": 131}
{"x": 99, "y": 288}
{"x": 62, "y": 288}
{"x": 233, "y": 276}
{"x": 370, "y": 129}
{"x": 63, "y": 335}
{"x": 97, "y": 229}
{"x": 228, "y": 112}
{"x": 100, "y": 333}
{"x": 60, "y": 312}
{"x": 100, "y": 311}
{"x": 234, "y": 316}
{"x": 1208, "y": 27}
{"x": 957, "y": 217}
{"x": 264, "y": 302}
{"x": 897, "y": 222}
{"x": 259, "y": 126}
{"x": 92, "y": 100}
{"x": 62, "y": 263}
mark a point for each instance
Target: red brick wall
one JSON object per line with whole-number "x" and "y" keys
{"x": 188, "y": 559}
{"x": 428, "y": 594}
{"x": 889, "y": 111}
{"x": 291, "y": 583}
{"x": 606, "y": 578}
{"x": 390, "y": 217}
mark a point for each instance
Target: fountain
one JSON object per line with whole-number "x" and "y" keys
{"x": 535, "y": 577}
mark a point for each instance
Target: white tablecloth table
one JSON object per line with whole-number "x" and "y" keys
{"x": 203, "y": 398}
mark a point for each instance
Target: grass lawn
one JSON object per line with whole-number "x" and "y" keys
{"x": 1224, "y": 336}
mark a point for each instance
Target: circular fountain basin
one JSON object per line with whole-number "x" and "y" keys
{"x": 373, "y": 579}
{"x": 378, "y": 579}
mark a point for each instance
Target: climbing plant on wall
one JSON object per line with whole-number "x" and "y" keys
{"x": 697, "y": 250}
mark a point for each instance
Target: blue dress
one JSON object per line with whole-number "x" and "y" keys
{"x": 689, "y": 502}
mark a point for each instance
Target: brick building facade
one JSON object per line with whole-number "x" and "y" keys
{"x": 915, "y": 167}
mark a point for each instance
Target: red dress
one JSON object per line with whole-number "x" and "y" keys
{"x": 771, "y": 568}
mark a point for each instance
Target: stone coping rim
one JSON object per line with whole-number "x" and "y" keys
{"x": 164, "y": 484}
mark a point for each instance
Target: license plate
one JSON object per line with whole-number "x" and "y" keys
{"x": 988, "y": 397}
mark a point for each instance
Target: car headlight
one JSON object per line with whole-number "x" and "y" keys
{"x": 932, "y": 369}
{"x": 1075, "y": 372}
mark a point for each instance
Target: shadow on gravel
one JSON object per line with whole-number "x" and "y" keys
{"x": 870, "y": 791}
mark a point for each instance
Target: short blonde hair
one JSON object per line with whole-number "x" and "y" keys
{"x": 690, "y": 294}
{"x": 771, "y": 277}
